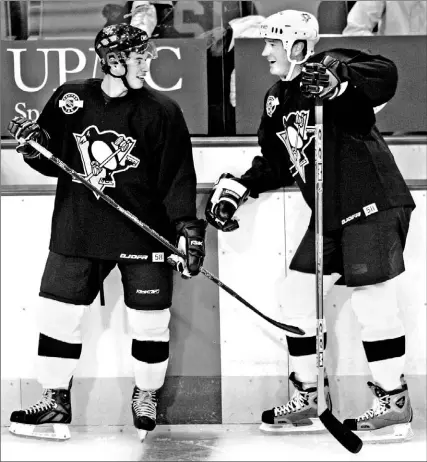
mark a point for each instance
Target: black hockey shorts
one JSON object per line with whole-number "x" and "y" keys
{"x": 367, "y": 252}
{"x": 76, "y": 280}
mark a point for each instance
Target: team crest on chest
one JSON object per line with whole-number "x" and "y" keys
{"x": 70, "y": 103}
{"x": 297, "y": 136}
{"x": 271, "y": 104}
{"x": 104, "y": 154}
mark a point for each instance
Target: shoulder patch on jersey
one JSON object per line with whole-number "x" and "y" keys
{"x": 271, "y": 104}
{"x": 70, "y": 103}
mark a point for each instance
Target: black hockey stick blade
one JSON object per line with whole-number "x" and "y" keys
{"x": 340, "y": 432}
{"x": 79, "y": 177}
{"x": 286, "y": 327}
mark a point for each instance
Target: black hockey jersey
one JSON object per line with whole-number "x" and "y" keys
{"x": 360, "y": 173}
{"x": 136, "y": 149}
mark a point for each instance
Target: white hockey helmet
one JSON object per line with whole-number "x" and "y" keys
{"x": 290, "y": 26}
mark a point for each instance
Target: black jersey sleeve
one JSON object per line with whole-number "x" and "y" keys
{"x": 367, "y": 81}
{"x": 50, "y": 120}
{"x": 177, "y": 176}
{"x": 269, "y": 171}
{"x": 373, "y": 77}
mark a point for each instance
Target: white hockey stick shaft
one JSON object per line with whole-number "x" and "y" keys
{"x": 344, "y": 435}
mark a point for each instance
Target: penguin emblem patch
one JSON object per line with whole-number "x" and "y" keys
{"x": 271, "y": 104}
{"x": 104, "y": 154}
{"x": 70, "y": 103}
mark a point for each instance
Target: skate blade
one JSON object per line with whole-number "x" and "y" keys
{"x": 57, "y": 432}
{"x": 394, "y": 434}
{"x": 142, "y": 434}
{"x": 316, "y": 426}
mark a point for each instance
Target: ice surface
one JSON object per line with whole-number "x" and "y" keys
{"x": 201, "y": 443}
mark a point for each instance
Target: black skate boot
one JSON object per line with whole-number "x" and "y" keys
{"x": 144, "y": 406}
{"x": 53, "y": 410}
{"x": 389, "y": 419}
{"x": 300, "y": 413}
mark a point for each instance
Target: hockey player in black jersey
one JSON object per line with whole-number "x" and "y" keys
{"x": 366, "y": 212}
{"x": 134, "y": 142}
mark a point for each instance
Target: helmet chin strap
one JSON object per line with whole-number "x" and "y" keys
{"x": 122, "y": 77}
{"x": 291, "y": 70}
{"x": 293, "y": 64}
{"x": 125, "y": 82}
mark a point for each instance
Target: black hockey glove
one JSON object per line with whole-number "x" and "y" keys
{"x": 320, "y": 79}
{"x": 225, "y": 198}
{"x": 23, "y": 129}
{"x": 191, "y": 241}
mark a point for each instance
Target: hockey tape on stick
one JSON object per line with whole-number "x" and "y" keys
{"x": 339, "y": 431}
{"x": 155, "y": 235}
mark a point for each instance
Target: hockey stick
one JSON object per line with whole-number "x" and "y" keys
{"x": 155, "y": 235}
{"x": 345, "y": 436}
{"x": 102, "y": 164}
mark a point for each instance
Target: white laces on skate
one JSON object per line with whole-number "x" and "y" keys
{"x": 381, "y": 406}
{"x": 144, "y": 403}
{"x": 298, "y": 400}
{"x": 47, "y": 402}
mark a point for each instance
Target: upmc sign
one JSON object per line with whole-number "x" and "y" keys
{"x": 32, "y": 70}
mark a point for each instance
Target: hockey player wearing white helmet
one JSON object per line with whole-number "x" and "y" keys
{"x": 135, "y": 142}
{"x": 281, "y": 32}
{"x": 366, "y": 213}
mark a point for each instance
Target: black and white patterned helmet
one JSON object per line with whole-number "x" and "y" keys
{"x": 117, "y": 41}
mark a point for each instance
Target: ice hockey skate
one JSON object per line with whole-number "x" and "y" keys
{"x": 299, "y": 414}
{"x": 48, "y": 418}
{"x": 144, "y": 406}
{"x": 389, "y": 419}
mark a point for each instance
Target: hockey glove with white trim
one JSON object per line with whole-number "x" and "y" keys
{"x": 225, "y": 198}
{"x": 320, "y": 79}
{"x": 191, "y": 242}
{"x": 23, "y": 130}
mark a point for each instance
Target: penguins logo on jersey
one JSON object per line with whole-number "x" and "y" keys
{"x": 271, "y": 104}
{"x": 104, "y": 154}
{"x": 297, "y": 136}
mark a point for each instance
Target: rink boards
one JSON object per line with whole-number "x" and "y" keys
{"x": 226, "y": 364}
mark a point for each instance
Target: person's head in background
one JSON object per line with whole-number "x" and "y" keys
{"x": 114, "y": 14}
{"x": 290, "y": 37}
{"x": 147, "y": 15}
{"x": 153, "y": 17}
